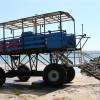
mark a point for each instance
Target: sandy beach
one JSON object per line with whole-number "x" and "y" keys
{"x": 81, "y": 88}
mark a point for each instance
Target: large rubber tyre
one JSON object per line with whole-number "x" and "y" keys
{"x": 2, "y": 77}
{"x": 54, "y": 75}
{"x": 70, "y": 74}
{"x": 22, "y": 70}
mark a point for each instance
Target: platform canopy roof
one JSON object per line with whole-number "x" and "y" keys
{"x": 43, "y": 19}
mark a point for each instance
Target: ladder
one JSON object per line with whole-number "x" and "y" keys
{"x": 91, "y": 68}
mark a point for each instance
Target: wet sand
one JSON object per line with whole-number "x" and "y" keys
{"x": 81, "y": 88}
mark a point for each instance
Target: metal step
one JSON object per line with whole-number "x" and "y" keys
{"x": 91, "y": 71}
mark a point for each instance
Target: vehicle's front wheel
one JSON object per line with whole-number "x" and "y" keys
{"x": 2, "y": 77}
{"x": 54, "y": 75}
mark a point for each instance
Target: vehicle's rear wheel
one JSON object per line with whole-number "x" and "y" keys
{"x": 54, "y": 75}
{"x": 70, "y": 74}
{"x": 2, "y": 77}
{"x": 23, "y": 70}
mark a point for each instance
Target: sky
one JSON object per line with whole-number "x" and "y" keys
{"x": 85, "y": 12}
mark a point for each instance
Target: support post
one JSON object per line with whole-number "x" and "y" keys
{"x": 74, "y": 28}
{"x": 35, "y": 26}
{"x": 3, "y": 32}
{"x": 13, "y": 33}
{"x": 40, "y": 29}
{"x": 60, "y": 23}
{"x": 22, "y": 26}
{"x": 44, "y": 25}
{"x": 74, "y": 34}
{"x": 82, "y": 29}
{"x": 50, "y": 58}
{"x": 30, "y": 62}
{"x": 36, "y": 62}
{"x": 4, "y": 43}
{"x": 22, "y": 32}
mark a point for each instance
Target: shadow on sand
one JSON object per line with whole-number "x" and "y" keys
{"x": 35, "y": 88}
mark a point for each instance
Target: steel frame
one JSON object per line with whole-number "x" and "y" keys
{"x": 33, "y": 56}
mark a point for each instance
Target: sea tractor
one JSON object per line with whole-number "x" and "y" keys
{"x": 42, "y": 45}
